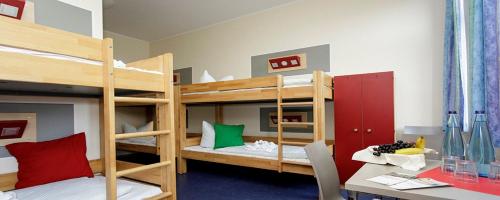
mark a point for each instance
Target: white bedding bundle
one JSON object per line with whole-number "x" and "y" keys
{"x": 261, "y": 145}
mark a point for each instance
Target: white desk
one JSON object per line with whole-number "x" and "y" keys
{"x": 358, "y": 183}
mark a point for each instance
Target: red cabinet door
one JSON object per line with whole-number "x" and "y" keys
{"x": 348, "y": 123}
{"x": 378, "y": 108}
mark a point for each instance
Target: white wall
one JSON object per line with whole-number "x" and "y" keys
{"x": 365, "y": 36}
{"x": 86, "y": 119}
{"x": 128, "y": 49}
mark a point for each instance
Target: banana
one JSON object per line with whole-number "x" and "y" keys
{"x": 420, "y": 143}
{"x": 410, "y": 151}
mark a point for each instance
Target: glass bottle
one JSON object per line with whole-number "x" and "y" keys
{"x": 453, "y": 144}
{"x": 481, "y": 148}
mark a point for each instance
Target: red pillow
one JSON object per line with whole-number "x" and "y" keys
{"x": 50, "y": 161}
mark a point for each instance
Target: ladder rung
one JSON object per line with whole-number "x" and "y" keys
{"x": 297, "y": 123}
{"x": 295, "y": 162}
{"x": 160, "y": 196}
{"x": 140, "y": 100}
{"x": 141, "y": 134}
{"x": 294, "y": 143}
{"x": 142, "y": 168}
{"x": 297, "y": 104}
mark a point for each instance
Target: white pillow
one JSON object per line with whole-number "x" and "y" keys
{"x": 127, "y": 128}
{"x": 207, "y": 135}
{"x": 227, "y": 78}
{"x": 206, "y": 77}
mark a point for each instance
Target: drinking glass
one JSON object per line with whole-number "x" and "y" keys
{"x": 466, "y": 171}
{"x": 448, "y": 165}
{"x": 495, "y": 172}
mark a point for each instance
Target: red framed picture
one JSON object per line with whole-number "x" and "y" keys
{"x": 11, "y": 129}
{"x": 287, "y": 63}
{"x": 12, "y": 8}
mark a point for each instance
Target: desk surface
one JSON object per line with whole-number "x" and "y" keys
{"x": 358, "y": 183}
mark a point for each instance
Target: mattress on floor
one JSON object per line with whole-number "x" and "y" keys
{"x": 86, "y": 189}
{"x": 290, "y": 153}
{"x": 70, "y": 58}
{"x": 146, "y": 141}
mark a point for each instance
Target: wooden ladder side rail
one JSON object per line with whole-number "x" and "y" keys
{"x": 318, "y": 106}
{"x": 166, "y": 122}
{"x": 181, "y": 162}
{"x": 109, "y": 119}
{"x": 279, "y": 98}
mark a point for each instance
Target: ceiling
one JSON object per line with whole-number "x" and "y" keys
{"x": 152, "y": 20}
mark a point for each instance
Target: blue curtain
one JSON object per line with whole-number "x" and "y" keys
{"x": 485, "y": 74}
{"x": 455, "y": 63}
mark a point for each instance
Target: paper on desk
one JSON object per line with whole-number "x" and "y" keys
{"x": 401, "y": 181}
{"x": 418, "y": 183}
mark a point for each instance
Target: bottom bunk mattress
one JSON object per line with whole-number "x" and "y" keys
{"x": 85, "y": 189}
{"x": 290, "y": 153}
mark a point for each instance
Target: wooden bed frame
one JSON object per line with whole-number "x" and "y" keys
{"x": 17, "y": 67}
{"x": 261, "y": 89}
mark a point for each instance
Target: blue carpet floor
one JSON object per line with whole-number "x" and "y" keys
{"x": 212, "y": 181}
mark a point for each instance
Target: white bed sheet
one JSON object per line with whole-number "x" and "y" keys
{"x": 147, "y": 141}
{"x": 86, "y": 189}
{"x": 290, "y": 153}
{"x": 70, "y": 58}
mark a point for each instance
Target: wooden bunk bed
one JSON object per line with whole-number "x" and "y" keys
{"x": 261, "y": 89}
{"x": 43, "y": 57}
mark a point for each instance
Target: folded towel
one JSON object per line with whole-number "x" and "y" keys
{"x": 261, "y": 145}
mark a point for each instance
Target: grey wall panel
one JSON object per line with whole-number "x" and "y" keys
{"x": 52, "y": 120}
{"x": 318, "y": 58}
{"x": 63, "y": 16}
{"x": 186, "y": 75}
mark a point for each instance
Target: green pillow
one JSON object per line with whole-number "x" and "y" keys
{"x": 228, "y": 135}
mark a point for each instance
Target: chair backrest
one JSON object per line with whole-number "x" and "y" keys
{"x": 325, "y": 170}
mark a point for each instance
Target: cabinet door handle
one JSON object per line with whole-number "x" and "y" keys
{"x": 355, "y": 130}
{"x": 369, "y": 130}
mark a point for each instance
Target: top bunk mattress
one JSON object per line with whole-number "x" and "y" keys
{"x": 85, "y": 189}
{"x": 290, "y": 153}
{"x": 116, "y": 63}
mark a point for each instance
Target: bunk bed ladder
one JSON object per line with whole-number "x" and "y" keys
{"x": 318, "y": 116}
{"x": 164, "y": 108}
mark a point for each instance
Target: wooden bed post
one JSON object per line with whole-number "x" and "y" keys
{"x": 177, "y": 93}
{"x": 109, "y": 119}
{"x": 167, "y": 122}
{"x": 181, "y": 162}
{"x": 279, "y": 87}
{"x": 219, "y": 113}
{"x": 318, "y": 106}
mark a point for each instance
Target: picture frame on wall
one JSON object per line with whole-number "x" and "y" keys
{"x": 269, "y": 119}
{"x": 17, "y": 127}
{"x": 287, "y": 63}
{"x": 177, "y": 78}
{"x": 288, "y": 117}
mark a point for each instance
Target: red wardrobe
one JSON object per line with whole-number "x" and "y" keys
{"x": 363, "y": 116}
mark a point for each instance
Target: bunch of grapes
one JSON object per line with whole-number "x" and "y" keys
{"x": 391, "y": 148}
